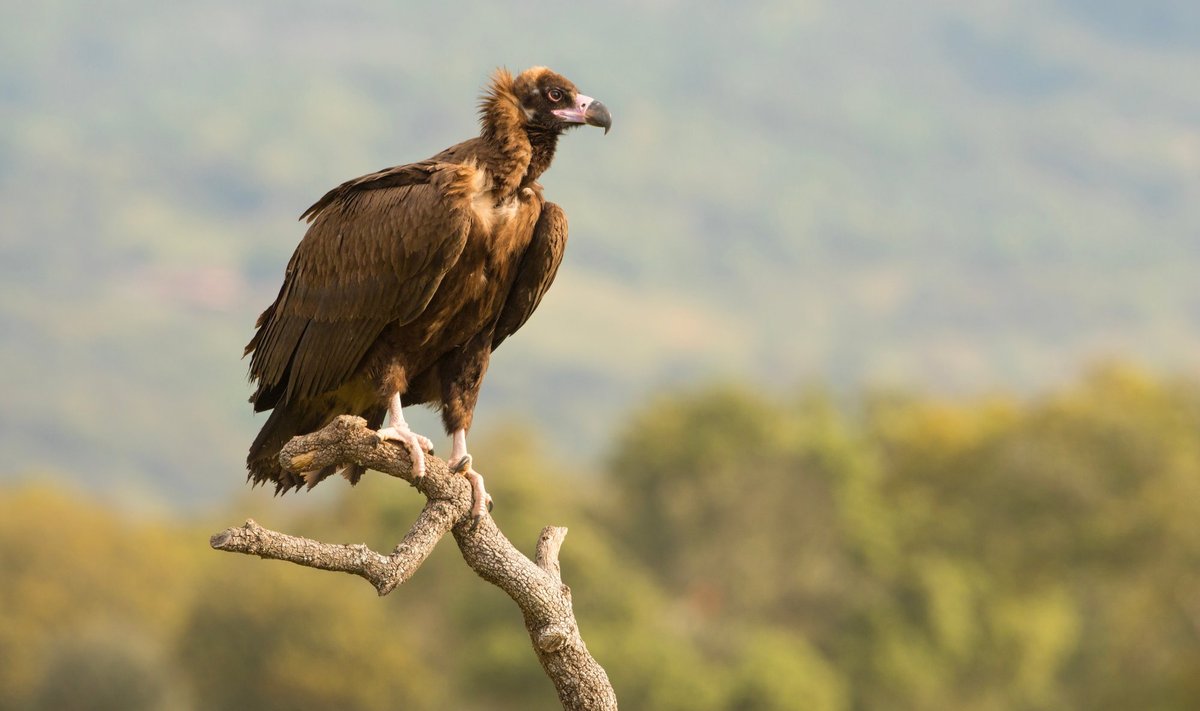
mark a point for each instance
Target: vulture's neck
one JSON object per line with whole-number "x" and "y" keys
{"x": 519, "y": 153}
{"x": 542, "y": 143}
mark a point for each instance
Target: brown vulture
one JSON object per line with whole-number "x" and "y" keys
{"x": 408, "y": 278}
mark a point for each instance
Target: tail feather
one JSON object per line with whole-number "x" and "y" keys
{"x": 291, "y": 420}
{"x": 285, "y": 422}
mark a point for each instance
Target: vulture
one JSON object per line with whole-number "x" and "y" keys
{"x": 408, "y": 278}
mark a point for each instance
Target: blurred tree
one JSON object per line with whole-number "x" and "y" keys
{"x": 739, "y": 505}
{"x": 1050, "y": 545}
{"x": 744, "y": 552}
{"x": 107, "y": 670}
{"x": 985, "y": 554}
{"x": 70, "y": 565}
{"x": 779, "y": 671}
{"x": 733, "y": 501}
{"x": 274, "y": 638}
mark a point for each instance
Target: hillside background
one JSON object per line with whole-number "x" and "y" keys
{"x": 954, "y": 197}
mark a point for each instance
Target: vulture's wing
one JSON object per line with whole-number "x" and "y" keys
{"x": 375, "y": 253}
{"x": 539, "y": 264}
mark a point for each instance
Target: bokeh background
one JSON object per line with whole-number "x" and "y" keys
{"x": 871, "y": 379}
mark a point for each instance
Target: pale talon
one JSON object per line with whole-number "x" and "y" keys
{"x": 417, "y": 445}
{"x": 398, "y": 431}
{"x": 481, "y": 501}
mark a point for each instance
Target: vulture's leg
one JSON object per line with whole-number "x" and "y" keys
{"x": 460, "y": 463}
{"x": 398, "y": 431}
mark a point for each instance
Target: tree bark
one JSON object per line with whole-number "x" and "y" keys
{"x": 536, "y": 586}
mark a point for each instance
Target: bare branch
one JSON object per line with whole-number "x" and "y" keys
{"x": 537, "y": 588}
{"x": 548, "y": 545}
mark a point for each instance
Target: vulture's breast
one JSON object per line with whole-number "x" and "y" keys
{"x": 473, "y": 291}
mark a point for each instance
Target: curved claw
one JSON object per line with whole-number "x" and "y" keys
{"x": 417, "y": 445}
{"x": 480, "y": 499}
{"x": 475, "y": 519}
{"x": 462, "y": 465}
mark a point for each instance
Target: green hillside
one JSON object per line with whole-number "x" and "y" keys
{"x": 948, "y": 196}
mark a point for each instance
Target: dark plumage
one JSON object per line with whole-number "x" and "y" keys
{"x": 409, "y": 277}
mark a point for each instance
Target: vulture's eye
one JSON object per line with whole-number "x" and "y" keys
{"x": 555, "y": 95}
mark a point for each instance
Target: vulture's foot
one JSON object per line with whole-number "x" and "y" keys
{"x": 417, "y": 445}
{"x": 460, "y": 463}
{"x": 480, "y": 499}
{"x": 399, "y": 431}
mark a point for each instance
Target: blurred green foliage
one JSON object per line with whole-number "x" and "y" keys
{"x": 743, "y": 552}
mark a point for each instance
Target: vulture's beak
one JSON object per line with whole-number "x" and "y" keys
{"x": 587, "y": 110}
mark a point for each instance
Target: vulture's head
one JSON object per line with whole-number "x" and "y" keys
{"x": 549, "y": 101}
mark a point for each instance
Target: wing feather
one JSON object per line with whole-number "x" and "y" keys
{"x": 538, "y": 267}
{"x": 375, "y": 253}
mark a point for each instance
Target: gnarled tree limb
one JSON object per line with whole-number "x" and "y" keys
{"x": 536, "y": 587}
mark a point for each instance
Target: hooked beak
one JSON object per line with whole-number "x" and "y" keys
{"x": 586, "y": 110}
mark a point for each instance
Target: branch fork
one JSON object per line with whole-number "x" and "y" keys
{"x": 535, "y": 586}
